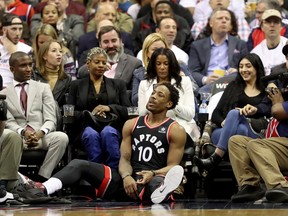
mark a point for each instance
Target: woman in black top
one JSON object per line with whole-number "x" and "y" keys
{"x": 101, "y": 96}
{"x": 240, "y": 110}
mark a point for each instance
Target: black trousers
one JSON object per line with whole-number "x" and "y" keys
{"x": 105, "y": 180}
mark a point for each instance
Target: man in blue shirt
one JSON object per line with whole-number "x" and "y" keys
{"x": 257, "y": 160}
{"x": 219, "y": 52}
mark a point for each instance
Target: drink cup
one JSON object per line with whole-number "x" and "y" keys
{"x": 219, "y": 72}
{"x": 68, "y": 110}
{"x": 132, "y": 110}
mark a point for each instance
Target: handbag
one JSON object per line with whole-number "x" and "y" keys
{"x": 258, "y": 124}
{"x": 98, "y": 122}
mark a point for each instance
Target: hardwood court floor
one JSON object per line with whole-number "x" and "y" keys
{"x": 183, "y": 208}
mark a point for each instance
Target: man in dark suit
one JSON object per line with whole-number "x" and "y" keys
{"x": 177, "y": 9}
{"x": 220, "y": 51}
{"x": 32, "y": 114}
{"x": 90, "y": 40}
{"x": 121, "y": 64}
{"x": 148, "y": 23}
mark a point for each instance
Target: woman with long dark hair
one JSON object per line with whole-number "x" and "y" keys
{"x": 163, "y": 67}
{"x": 241, "y": 109}
{"x": 151, "y": 42}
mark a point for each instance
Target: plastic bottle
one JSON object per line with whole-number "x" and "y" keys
{"x": 203, "y": 107}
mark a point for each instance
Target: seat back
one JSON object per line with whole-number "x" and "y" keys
{"x": 59, "y": 118}
{"x": 222, "y": 175}
{"x": 31, "y": 161}
{"x": 217, "y": 91}
{"x": 33, "y": 157}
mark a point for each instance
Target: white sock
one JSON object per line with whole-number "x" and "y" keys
{"x": 52, "y": 185}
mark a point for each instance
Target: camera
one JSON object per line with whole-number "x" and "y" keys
{"x": 281, "y": 80}
{"x": 270, "y": 90}
{"x": 3, "y": 108}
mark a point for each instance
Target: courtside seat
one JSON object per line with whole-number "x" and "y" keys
{"x": 32, "y": 157}
{"x": 220, "y": 182}
{"x": 31, "y": 161}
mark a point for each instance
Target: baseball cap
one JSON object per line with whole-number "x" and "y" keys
{"x": 7, "y": 20}
{"x": 271, "y": 13}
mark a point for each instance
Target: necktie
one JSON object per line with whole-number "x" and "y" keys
{"x": 23, "y": 97}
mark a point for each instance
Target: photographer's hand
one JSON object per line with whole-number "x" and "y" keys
{"x": 271, "y": 85}
{"x": 275, "y": 96}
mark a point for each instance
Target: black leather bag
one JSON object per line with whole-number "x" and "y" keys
{"x": 258, "y": 124}
{"x": 98, "y": 122}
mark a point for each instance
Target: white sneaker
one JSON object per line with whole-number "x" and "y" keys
{"x": 172, "y": 180}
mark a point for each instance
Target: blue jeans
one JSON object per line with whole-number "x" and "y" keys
{"x": 234, "y": 124}
{"x": 103, "y": 147}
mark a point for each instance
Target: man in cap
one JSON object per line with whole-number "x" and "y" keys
{"x": 269, "y": 50}
{"x": 10, "y": 43}
{"x": 257, "y": 35}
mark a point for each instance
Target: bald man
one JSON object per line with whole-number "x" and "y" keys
{"x": 109, "y": 11}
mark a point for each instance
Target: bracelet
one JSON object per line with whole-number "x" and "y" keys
{"x": 153, "y": 172}
{"x": 125, "y": 176}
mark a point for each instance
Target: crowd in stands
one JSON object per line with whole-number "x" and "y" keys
{"x": 159, "y": 56}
